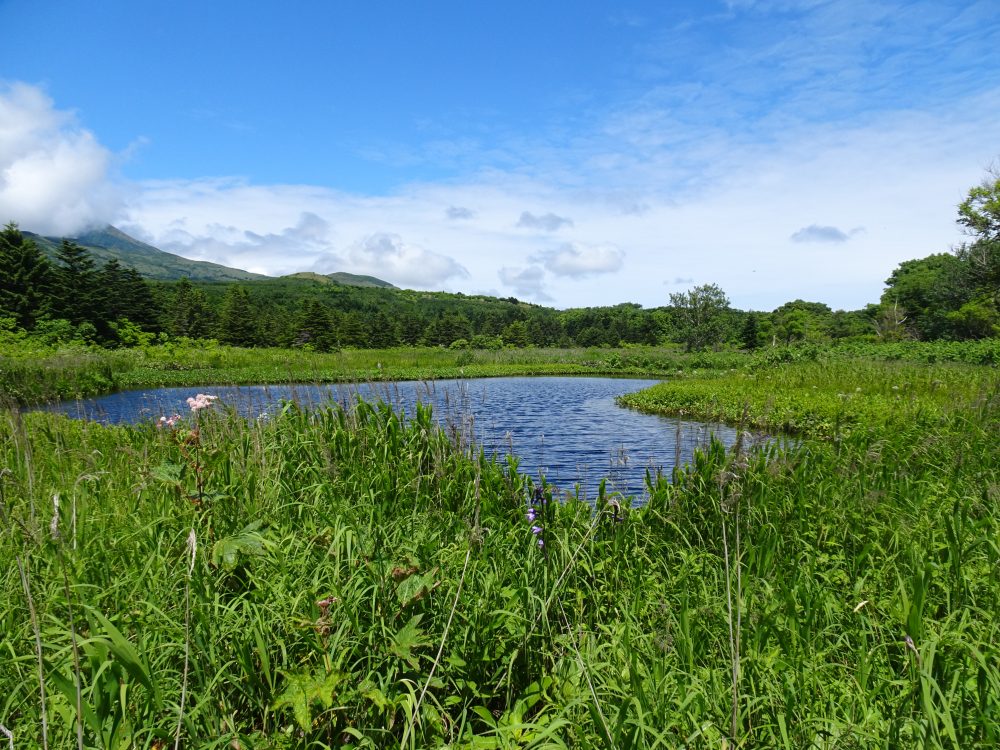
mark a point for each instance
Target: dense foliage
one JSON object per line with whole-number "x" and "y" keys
{"x": 73, "y": 298}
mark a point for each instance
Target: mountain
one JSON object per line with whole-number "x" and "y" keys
{"x": 347, "y": 279}
{"x": 151, "y": 262}
{"x": 112, "y": 243}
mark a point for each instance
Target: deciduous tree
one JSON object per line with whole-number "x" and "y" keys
{"x": 701, "y": 316}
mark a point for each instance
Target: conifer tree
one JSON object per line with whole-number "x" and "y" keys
{"x": 315, "y": 327}
{"x": 383, "y": 332}
{"x": 189, "y": 314}
{"x": 25, "y": 278}
{"x": 75, "y": 295}
{"x": 123, "y": 293}
{"x": 237, "y": 320}
{"x": 141, "y": 305}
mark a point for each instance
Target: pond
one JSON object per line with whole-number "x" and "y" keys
{"x": 567, "y": 429}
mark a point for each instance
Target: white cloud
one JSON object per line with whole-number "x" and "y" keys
{"x": 270, "y": 253}
{"x": 528, "y": 282}
{"x": 578, "y": 260}
{"x": 54, "y": 175}
{"x": 388, "y": 257}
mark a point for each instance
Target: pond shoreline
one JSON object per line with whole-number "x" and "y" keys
{"x": 568, "y": 430}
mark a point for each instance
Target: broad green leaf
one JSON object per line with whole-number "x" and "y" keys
{"x": 305, "y": 689}
{"x": 409, "y": 638}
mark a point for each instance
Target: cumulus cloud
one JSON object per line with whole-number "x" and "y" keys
{"x": 270, "y": 253}
{"x": 388, "y": 257}
{"x": 546, "y": 222}
{"x": 526, "y": 282}
{"x": 817, "y": 233}
{"x": 578, "y": 260}
{"x": 54, "y": 175}
{"x": 459, "y": 212}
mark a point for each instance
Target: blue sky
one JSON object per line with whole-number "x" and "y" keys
{"x": 571, "y": 153}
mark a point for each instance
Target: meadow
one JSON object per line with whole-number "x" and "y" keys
{"x": 348, "y": 579}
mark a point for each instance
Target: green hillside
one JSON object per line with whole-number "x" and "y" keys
{"x": 347, "y": 279}
{"x": 111, "y": 243}
{"x": 152, "y": 263}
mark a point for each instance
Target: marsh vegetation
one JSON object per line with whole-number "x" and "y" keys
{"x": 350, "y": 578}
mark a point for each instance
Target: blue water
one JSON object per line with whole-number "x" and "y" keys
{"x": 568, "y": 429}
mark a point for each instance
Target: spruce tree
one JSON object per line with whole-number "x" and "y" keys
{"x": 237, "y": 320}
{"x": 123, "y": 293}
{"x": 141, "y": 305}
{"x": 109, "y": 301}
{"x": 75, "y": 295}
{"x": 25, "y": 278}
{"x": 384, "y": 332}
{"x": 316, "y": 327}
{"x": 749, "y": 335}
{"x": 189, "y": 314}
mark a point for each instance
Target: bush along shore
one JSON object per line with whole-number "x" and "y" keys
{"x": 343, "y": 578}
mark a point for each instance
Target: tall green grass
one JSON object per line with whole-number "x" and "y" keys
{"x": 363, "y": 581}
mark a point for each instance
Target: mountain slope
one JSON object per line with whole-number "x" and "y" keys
{"x": 111, "y": 243}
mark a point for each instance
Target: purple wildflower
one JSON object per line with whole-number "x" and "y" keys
{"x": 536, "y": 530}
{"x": 531, "y": 515}
{"x": 541, "y": 543}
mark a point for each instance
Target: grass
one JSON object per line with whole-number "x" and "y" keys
{"x": 355, "y": 580}
{"x": 828, "y": 399}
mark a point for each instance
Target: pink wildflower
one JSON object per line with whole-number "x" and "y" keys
{"x": 201, "y": 401}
